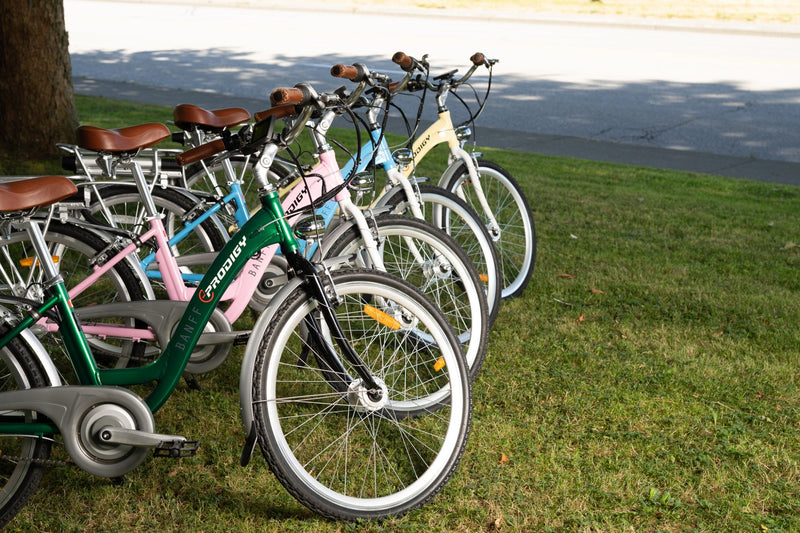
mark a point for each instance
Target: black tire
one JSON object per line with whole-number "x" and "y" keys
{"x": 307, "y": 424}
{"x": 21, "y": 458}
{"x": 516, "y": 243}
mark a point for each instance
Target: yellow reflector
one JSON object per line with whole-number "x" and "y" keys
{"x": 28, "y": 261}
{"x": 439, "y": 364}
{"x": 484, "y": 277}
{"x": 381, "y": 317}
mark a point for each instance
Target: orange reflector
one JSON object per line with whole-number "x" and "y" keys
{"x": 381, "y": 317}
{"x": 484, "y": 278}
{"x": 28, "y": 261}
{"x": 439, "y": 364}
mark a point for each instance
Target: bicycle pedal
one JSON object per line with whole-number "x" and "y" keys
{"x": 192, "y": 382}
{"x": 177, "y": 449}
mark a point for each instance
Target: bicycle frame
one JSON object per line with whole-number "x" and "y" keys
{"x": 240, "y": 212}
{"x": 241, "y": 289}
{"x": 267, "y": 227}
{"x": 443, "y": 131}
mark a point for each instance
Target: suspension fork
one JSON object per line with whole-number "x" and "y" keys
{"x": 317, "y": 289}
{"x": 397, "y": 178}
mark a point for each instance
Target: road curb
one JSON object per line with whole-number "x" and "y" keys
{"x": 781, "y": 172}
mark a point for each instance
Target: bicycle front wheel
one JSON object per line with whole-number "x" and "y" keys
{"x": 428, "y": 258}
{"x": 346, "y": 452}
{"x": 515, "y": 236}
{"x": 458, "y": 219}
{"x": 76, "y": 253}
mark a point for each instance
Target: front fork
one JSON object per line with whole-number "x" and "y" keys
{"x": 326, "y": 305}
{"x": 470, "y": 161}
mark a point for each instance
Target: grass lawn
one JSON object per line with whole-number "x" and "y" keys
{"x": 647, "y": 380}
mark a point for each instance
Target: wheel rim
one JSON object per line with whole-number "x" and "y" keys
{"x": 341, "y": 471}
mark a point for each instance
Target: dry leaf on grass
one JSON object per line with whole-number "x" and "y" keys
{"x": 596, "y": 291}
{"x": 565, "y": 275}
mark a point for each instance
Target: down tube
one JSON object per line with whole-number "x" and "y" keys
{"x": 439, "y": 132}
{"x": 265, "y": 227}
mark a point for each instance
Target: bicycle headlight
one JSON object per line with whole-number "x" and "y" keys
{"x": 463, "y": 133}
{"x": 403, "y": 157}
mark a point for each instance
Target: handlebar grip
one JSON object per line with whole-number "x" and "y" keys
{"x": 352, "y": 72}
{"x": 287, "y": 96}
{"x": 278, "y": 112}
{"x": 478, "y": 59}
{"x": 201, "y": 152}
{"x": 295, "y": 95}
{"x": 405, "y": 62}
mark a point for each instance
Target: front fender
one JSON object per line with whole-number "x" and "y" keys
{"x": 257, "y": 334}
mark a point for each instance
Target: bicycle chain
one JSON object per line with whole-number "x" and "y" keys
{"x": 43, "y": 462}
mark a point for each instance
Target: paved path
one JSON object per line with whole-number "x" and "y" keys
{"x": 688, "y": 98}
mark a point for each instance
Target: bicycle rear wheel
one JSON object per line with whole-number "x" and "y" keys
{"x": 121, "y": 207}
{"x": 22, "y": 457}
{"x": 340, "y": 451}
{"x": 516, "y": 240}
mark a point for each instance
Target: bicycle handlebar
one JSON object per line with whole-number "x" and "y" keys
{"x": 410, "y": 64}
{"x": 279, "y": 112}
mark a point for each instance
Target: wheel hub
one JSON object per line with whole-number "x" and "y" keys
{"x": 438, "y": 268}
{"x": 365, "y": 399}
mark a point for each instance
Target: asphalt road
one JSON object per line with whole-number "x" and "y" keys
{"x": 711, "y": 90}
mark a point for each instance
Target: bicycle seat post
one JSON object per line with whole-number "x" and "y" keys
{"x": 42, "y": 253}
{"x": 143, "y": 188}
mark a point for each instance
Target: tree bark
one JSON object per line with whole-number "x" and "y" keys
{"x": 37, "y": 105}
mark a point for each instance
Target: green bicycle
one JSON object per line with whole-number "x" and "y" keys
{"x": 353, "y": 384}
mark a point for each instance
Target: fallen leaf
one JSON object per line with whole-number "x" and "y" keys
{"x": 596, "y": 291}
{"x": 504, "y": 458}
{"x": 789, "y": 246}
{"x": 580, "y": 319}
{"x": 565, "y": 275}
{"x": 497, "y": 523}
{"x": 173, "y": 473}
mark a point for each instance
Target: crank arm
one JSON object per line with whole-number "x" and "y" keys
{"x": 144, "y": 439}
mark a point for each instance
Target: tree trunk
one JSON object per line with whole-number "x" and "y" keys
{"x": 37, "y": 106}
